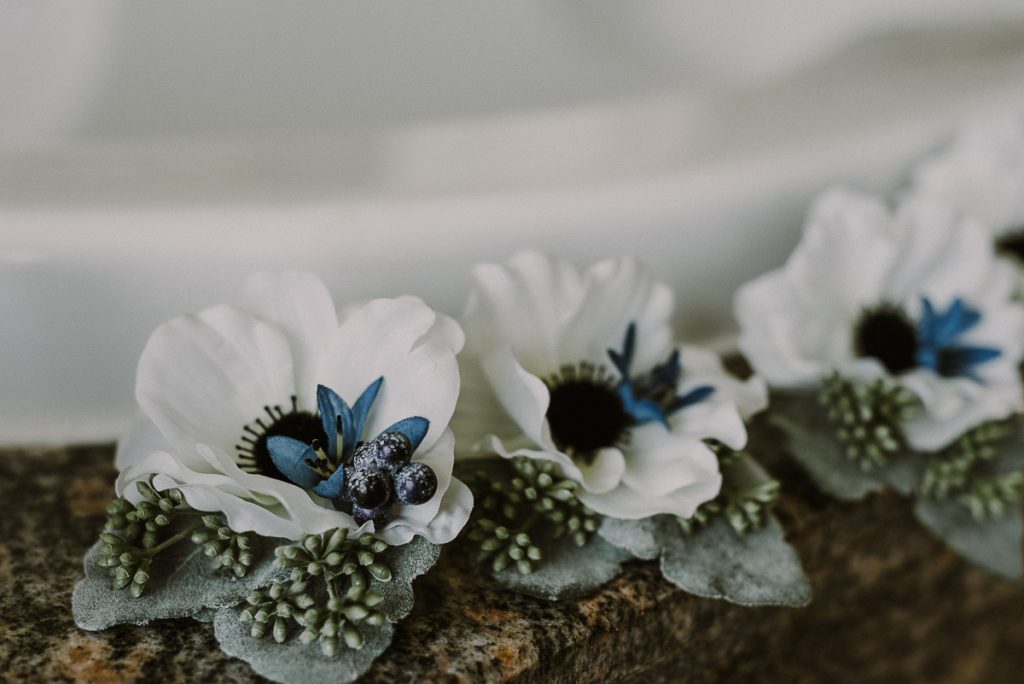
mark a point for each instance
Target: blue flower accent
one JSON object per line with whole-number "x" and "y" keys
{"x": 322, "y": 467}
{"x": 652, "y": 398}
{"x": 938, "y": 333}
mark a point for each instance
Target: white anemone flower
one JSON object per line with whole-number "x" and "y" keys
{"x": 580, "y": 369}
{"x": 217, "y": 389}
{"x": 981, "y": 174}
{"x": 916, "y": 295}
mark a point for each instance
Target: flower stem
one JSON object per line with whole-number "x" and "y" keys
{"x": 170, "y": 541}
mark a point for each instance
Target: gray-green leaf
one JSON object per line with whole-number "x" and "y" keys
{"x": 994, "y": 543}
{"x": 752, "y": 569}
{"x": 567, "y": 571}
{"x": 184, "y": 582}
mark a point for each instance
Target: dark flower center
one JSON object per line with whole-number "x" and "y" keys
{"x": 586, "y": 415}
{"x": 252, "y": 453}
{"x": 1012, "y": 243}
{"x": 887, "y": 334}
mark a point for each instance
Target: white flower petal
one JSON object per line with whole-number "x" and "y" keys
{"x": 524, "y": 304}
{"x": 202, "y": 378}
{"x": 952, "y": 406}
{"x": 478, "y": 413}
{"x": 452, "y": 516}
{"x": 941, "y": 255}
{"x": 300, "y": 306}
{"x": 604, "y": 472}
{"x": 711, "y": 419}
{"x": 704, "y": 367}
{"x": 660, "y": 462}
{"x": 142, "y": 440}
{"x": 629, "y": 504}
{"x": 411, "y": 346}
{"x": 523, "y": 396}
{"x": 618, "y": 292}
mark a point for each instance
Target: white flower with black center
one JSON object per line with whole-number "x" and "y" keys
{"x": 580, "y": 369}
{"x": 915, "y": 295}
{"x": 981, "y": 175}
{"x": 292, "y": 419}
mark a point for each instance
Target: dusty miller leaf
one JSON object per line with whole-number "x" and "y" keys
{"x": 567, "y": 570}
{"x": 813, "y": 444}
{"x": 184, "y": 583}
{"x": 752, "y": 569}
{"x": 293, "y": 661}
{"x": 993, "y": 544}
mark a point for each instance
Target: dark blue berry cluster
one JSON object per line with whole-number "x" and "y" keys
{"x": 381, "y": 476}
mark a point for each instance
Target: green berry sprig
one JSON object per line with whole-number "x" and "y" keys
{"x": 961, "y": 472}
{"x": 327, "y": 593}
{"x": 229, "y": 549}
{"x": 510, "y": 510}
{"x": 135, "y": 534}
{"x": 745, "y": 499}
{"x": 868, "y": 417}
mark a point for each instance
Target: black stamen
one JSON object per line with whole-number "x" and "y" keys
{"x": 1012, "y": 243}
{"x": 301, "y": 425}
{"x": 887, "y": 334}
{"x": 585, "y": 413}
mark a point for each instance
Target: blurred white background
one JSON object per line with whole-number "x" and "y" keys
{"x": 154, "y": 153}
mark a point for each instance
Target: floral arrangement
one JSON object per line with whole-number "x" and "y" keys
{"x": 290, "y": 476}
{"x": 294, "y": 468}
{"x": 613, "y": 443}
{"x": 891, "y": 340}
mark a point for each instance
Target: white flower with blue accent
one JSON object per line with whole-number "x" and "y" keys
{"x": 580, "y": 369}
{"x": 291, "y": 419}
{"x": 981, "y": 175}
{"x": 916, "y": 295}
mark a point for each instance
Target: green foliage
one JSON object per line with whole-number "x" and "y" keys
{"x": 327, "y": 593}
{"x": 963, "y": 473}
{"x": 867, "y": 417}
{"x": 515, "y": 503}
{"x": 229, "y": 549}
{"x": 746, "y": 496}
{"x": 135, "y": 534}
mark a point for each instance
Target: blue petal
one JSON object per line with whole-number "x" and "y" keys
{"x": 641, "y": 410}
{"x": 360, "y": 410}
{"x": 332, "y": 487}
{"x": 414, "y": 428}
{"x": 332, "y": 408}
{"x": 694, "y": 396}
{"x": 624, "y": 360}
{"x": 289, "y": 456}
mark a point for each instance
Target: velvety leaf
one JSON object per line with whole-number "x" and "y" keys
{"x": 183, "y": 582}
{"x": 811, "y": 441}
{"x": 295, "y": 662}
{"x": 567, "y": 570}
{"x": 994, "y": 544}
{"x": 753, "y": 569}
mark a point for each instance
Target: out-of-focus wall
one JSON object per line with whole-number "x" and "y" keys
{"x": 152, "y": 154}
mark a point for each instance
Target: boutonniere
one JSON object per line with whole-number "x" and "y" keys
{"x": 591, "y": 439}
{"x": 290, "y": 476}
{"x": 891, "y": 341}
{"x": 981, "y": 176}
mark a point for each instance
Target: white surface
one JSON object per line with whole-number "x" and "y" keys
{"x": 174, "y": 173}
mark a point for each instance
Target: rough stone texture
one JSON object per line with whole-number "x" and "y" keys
{"x": 891, "y": 604}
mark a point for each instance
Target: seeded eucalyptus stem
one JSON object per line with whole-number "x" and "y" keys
{"x": 746, "y": 497}
{"x": 134, "y": 535}
{"x": 327, "y": 592}
{"x": 519, "y": 501}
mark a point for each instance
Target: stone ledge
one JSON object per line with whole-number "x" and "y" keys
{"x": 890, "y": 604}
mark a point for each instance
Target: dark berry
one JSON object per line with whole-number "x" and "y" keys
{"x": 365, "y": 456}
{"x": 369, "y": 487}
{"x": 379, "y": 516}
{"x": 393, "y": 450}
{"x": 415, "y": 484}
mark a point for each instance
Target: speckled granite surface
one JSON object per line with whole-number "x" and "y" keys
{"x": 891, "y": 605}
